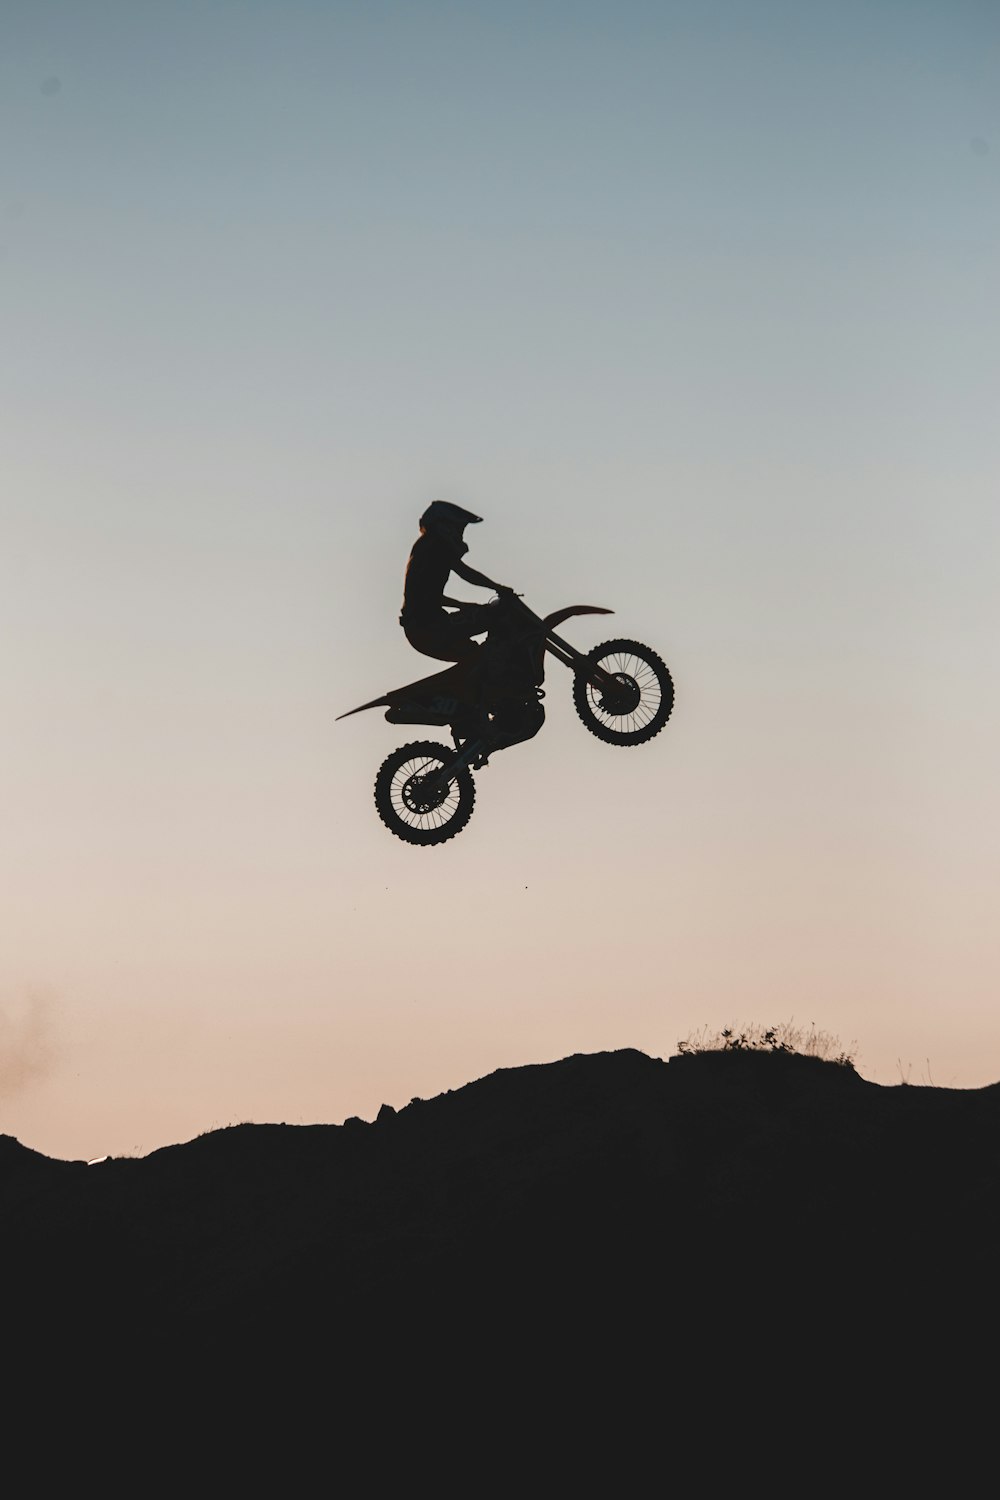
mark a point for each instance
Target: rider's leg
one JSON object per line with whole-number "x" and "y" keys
{"x": 444, "y": 639}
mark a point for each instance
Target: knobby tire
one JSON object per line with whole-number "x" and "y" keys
{"x": 646, "y": 680}
{"x": 397, "y": 790}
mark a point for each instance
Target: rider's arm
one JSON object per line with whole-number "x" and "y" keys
{"x": 471, "y": 576}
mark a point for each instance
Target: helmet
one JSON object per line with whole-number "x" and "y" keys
{"x": 441, "y": 513}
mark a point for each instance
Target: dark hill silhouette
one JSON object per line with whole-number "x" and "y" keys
{"x": 600, "y": 1224}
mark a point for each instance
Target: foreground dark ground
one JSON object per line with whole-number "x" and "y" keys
{"x": 602, "y": 1222}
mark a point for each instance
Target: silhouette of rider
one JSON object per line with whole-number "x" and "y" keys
{"x": 427, "y": 622}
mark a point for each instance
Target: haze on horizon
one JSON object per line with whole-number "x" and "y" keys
{"x": 697, "y": 304}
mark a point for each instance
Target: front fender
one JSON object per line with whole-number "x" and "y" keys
{"x": 551, "y": 621}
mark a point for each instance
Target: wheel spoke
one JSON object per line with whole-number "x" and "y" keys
{"x": 410, "y": 811}
{"x": 403, "y": 782}
{"x": 643, "y": 702}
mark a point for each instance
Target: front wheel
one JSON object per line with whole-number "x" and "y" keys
{"x": 625, "y": 693}
{"x": 415, "y": 803}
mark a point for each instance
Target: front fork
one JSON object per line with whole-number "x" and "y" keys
{"x": 599, "y": 680}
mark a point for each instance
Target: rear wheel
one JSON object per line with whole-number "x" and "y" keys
{"x": 633, "y": 701}
{"x": 414, "y": 803}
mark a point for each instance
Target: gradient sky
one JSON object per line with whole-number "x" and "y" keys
{"x": 697, "y": 304}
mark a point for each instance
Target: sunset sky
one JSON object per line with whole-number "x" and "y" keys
{"x": 697, "y": 303}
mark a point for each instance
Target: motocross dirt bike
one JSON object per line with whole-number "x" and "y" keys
{"x": 424, "y": 791}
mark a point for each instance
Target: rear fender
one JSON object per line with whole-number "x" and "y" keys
{"x": 450, "y": 687}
